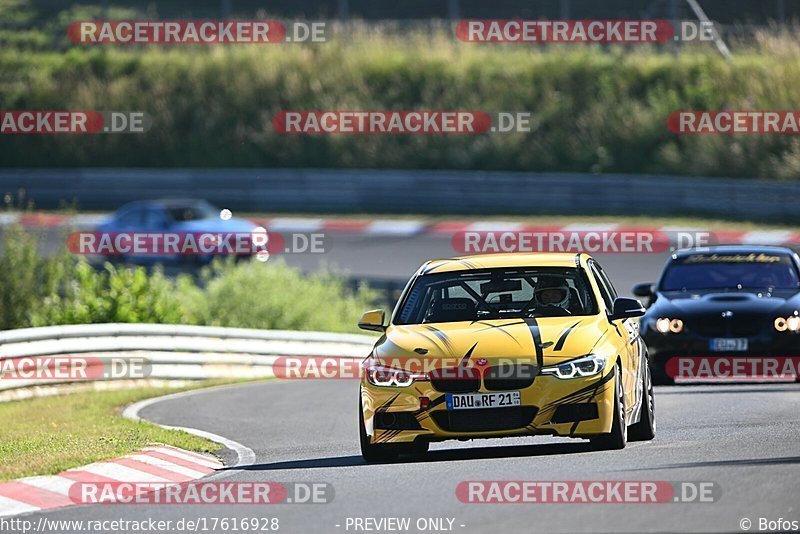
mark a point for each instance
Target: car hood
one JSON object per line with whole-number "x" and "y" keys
{"x": 558, "y": 339}
{"x": 686, "y": 304}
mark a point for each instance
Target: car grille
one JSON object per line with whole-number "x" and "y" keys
{"x": 457, "y": 380}
{"x": 505, "y": 377}
{"x": 396, "y": 421}
{"x": 485, "y": 420}
{"x": 570, "y": 413}
{"x": 737, "y": 326}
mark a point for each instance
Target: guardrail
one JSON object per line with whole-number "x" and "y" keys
{"x": 177, "y": 351}
{"x": 415, "y": 191}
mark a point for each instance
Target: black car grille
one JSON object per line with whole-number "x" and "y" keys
{"x": 497, "y": 378}
{"x": 396, "y": 421}
{"x": 737, "y": 326}
{"x": 455, "y": 380}
{"x": 485, "y": 420}
{"x": 504, "y": 377}
{"x": 570, "y": 413}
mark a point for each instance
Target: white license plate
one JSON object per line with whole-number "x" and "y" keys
{"x": 736, "y": 344}
{"x": 473, "y": 401}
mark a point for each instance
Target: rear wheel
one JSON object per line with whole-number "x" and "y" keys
{"x": 618, "y": 437}
{"x": 645, "y": 429}
{"x": 370, "y": 452}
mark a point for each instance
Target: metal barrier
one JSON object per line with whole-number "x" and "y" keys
{"x": 394, "y": 191}
{"x": 177, "y": 351}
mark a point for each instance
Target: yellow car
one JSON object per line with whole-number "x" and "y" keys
{"x": 505, "y": 345}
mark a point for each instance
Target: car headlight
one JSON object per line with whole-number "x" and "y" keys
{"x": 666, "y": 325}
{"x": 586, "y": 366}
{"x": 378, "y": 375}
{"x": 790, "y": 324}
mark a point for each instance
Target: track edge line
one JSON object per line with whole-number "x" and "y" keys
{"x": 245, "y": 455}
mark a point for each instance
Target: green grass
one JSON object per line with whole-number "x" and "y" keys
{"x": 46, "y": 435}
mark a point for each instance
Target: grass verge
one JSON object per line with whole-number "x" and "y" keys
{"x": 594, "y": 109}
{"x": 46, "y": 435}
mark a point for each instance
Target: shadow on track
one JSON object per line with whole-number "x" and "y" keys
{"x": 447, "y": 455}
{"x": 730, "y": 389}
{"x": 726, "y": 463}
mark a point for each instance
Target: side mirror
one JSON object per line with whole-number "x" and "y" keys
{"x": 643, "y": 290}
{"x": 625, "y": 308}
{"x": 372, "y": 320}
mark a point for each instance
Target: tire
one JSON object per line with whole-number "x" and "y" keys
{"x": 618, "y": 437}
{"x": 660, "y": 376}
{"x": 373, "y": 454}
{"x": 645, "y": 429}
{"x": 419, "y": 448}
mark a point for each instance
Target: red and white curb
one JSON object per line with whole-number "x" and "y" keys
{"x": 416, "y": 227}
{"x": 161, "y": 464}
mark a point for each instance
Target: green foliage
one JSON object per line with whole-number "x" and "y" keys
{"x": 43, "y": 291}
{"x": 596, "y": 109}
{"x": 26, "y": 277}
{"x": 274, "y": 296}
{"x": 117, "y": 295}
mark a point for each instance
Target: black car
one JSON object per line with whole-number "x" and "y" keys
{"x": 723, "y": 301}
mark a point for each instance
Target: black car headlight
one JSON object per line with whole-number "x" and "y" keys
{"x": 788, "y": 324}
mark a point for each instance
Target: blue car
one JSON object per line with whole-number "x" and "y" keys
{"x": 178, "y": 216}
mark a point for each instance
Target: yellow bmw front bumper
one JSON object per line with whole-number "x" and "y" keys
{"x": 575, "y": 407}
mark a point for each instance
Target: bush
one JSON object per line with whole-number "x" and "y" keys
{"x": 27, "y": 278}
{"x": 274, "y": 296}
{"x": 39, "y": 291}
{"x": 118, "y": 295}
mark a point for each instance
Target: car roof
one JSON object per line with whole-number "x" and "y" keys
{"x": 734, "y": 249}
{"x": 165, "y": 203}
{"x": 173, "y": 202}
{"x": 494, "y": 261}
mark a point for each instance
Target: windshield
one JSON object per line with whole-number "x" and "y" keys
{"x": 730, "y": 272}
{"x": 497, "y": 294}
{"x": 191, "y": 212}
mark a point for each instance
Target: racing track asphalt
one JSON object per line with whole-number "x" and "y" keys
{"x": 384, "y": 257}
{"x": 397, "y": 257}
{"x": 744, "y": 438}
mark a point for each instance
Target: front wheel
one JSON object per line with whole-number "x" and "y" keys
{"x": 373, "y": 453}
{"x": 645, "y": 429}
{"x": 660, "y": 376}
{"x": 618, "y": 437}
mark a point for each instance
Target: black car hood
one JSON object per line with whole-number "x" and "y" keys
{"x": 701, "y": 302}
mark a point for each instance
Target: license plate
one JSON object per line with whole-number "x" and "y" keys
{"x": 473, "y": 401}
{"x": 736, "y": 344}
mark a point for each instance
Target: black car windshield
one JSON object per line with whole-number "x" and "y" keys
{"x": 191, "y": 211}
{"x": 730, "y": 272}
{"x": 497, "y": 294}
